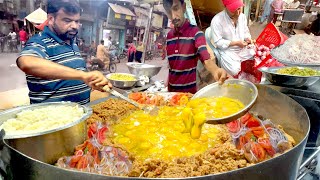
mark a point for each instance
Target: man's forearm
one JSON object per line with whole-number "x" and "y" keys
{"x": 234, "y": 43}
{"x": 210, "y": 65}
{"x": 46, "y": 69}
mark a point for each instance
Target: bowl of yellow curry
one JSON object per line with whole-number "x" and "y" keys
{"x": 291, "y": 76}
{"x": 225, "y": 103}
{"x": 122, "y": 80}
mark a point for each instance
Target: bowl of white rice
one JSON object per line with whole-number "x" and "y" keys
{"x": 38, "y": 130}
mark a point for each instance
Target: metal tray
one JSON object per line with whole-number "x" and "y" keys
{"x": 288, "y": 80}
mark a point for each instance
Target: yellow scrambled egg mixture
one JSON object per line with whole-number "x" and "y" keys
{"x": 167, "y": 135}
{"x": 216, "y": 107}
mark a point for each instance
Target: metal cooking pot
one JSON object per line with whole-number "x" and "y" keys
{"x": 49, "y": 145}
{"x": 288, "y": 80}
{"x": 270, "y": 104}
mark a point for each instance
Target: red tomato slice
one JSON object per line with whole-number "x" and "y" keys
{"x": 253, "y": 122}
{"x": 82, "y": 163}
{"x": 258, "y": 131}
{"x": 271, "y": 152}
{"x": 92, "y": 130}
{"x": 141, "y": 101}
{"x": 74, "y": 161}
{"x": 173, "y": 101}
{"x": 102, "y": 134}
{"x": 233, "y": 126}
{"x": 147, "y": 100}
{"x": 259, "y": 128}
{"x": 258, "y": 151}
{"x": 242, "y": 142}
{"x": 265, "y": 143}
{"x": 135, "y": 96}
{"x": 245, "y": 118}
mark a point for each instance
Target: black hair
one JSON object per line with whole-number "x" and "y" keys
{"x": 68, "y": 6}
{"x": 167, "y": 4}
{"x": 102, "y": 41}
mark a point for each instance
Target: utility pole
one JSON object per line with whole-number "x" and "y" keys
{"x": 146, "y": 33}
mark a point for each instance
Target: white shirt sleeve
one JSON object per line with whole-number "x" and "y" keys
{"x": 246, "y": 28}
{"x": 216, "y": 34}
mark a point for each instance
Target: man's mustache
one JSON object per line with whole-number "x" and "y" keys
{"x": 73, "y": 31}
{"x": 174, "y": 21}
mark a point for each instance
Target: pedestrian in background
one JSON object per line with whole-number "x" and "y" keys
{"x": 12, "y": 41}
{"x": 82, "y": 45}
{"x": 293, "y": 5}
{"x": 23, "y": 36}
{"x": 108, "y": 43}
{"x": 266, "y": 10}
{"x": 276, "y": 7}
{"x": 103, "y": 54}
{"x": 93, "y": 48}
{"x": 2, "y": 41}
{"x": 314, "y": 27}
{"x": 139, "y": 52}
{"x": 131, "y": 52}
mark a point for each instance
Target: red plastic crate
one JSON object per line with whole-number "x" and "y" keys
{"x": 271, "y": 35}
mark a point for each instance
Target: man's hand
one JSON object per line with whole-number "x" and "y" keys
{"x": 220, "y": 75}
{"x": 248, "y": 40}
{"x": 96, "y": 80}
{"x": 241, "y": 44}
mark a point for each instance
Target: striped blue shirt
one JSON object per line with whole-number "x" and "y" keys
{"x": 48, "y": 45}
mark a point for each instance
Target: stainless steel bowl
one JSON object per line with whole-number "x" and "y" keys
{"x": 140, "y": 69}
{"x": 48, "y": 146}
{"x": 288, "y": 80}
{"x": 122, "y": 84}
{"x": 242, "y": 90}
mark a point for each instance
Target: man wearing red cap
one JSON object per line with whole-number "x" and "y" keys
{"x": 186, "y": 45}
{"x": 231, "y": 36}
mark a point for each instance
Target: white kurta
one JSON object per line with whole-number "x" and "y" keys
{"x": 223, "y": 32}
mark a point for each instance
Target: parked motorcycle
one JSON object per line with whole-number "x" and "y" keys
{"x": 149, "y": 55}
{"x": 123, "y": 54}
{"x": 118, "y": 52}
{"x": 98, "y": 65}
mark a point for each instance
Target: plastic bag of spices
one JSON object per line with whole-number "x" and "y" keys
{"x": 93, "y": 156}
{"x": 257, "y": 139}
{"x": 114, "y": 161}
{"x": 97, "y": 133}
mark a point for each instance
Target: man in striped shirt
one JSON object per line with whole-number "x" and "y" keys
{"x": 186, "y": 45}
{"x": 55, "y": 70}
